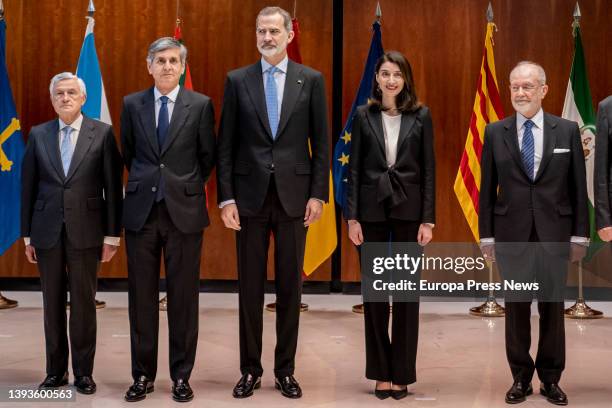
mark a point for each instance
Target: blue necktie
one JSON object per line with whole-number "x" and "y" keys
{"x": 163, "y": 123}
{"x": 272, "y": 101}
{"x": 66, "y": 149}
{"x": 527, "y": 152}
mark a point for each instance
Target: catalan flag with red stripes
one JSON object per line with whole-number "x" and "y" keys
{"x": 487, "y": 109}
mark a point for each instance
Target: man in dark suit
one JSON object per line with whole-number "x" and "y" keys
{"x": 168, "y": 141}
{"x": 268, "y": 182}
{"x": 533, "y": 189}
{"x": 70, "y": 220}
{"x": 603, "y": 166}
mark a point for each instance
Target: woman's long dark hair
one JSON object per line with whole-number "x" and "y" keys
{"x": 406, "y": 100}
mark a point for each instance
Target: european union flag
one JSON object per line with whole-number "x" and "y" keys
{"x": 342, "y": 150}
{"x": 11, "y": 154}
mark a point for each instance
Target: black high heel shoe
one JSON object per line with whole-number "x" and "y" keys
{"x": 399, "y": 394}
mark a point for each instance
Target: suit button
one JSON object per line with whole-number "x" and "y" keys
{"x": 270, "y": 166}
{"x": 161, "y": 166}
{"x": 154, "y": 189}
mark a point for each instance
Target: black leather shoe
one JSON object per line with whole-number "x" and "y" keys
{"x": 518, "y": 392}
{"x": 399, "y": 394}
{"x": 553, "y": 393}
{"x": 85, "y": 384}
{"x": 139, "y": 390}
{"x": 181, "y": 391}
{"x": 288, "y": 386}
{"x": 246, "y": 385}
{"x": 54, "y": 381}
{"x": 382, "y": 394}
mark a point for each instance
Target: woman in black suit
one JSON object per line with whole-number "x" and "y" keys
{"x": 391, "y": 197}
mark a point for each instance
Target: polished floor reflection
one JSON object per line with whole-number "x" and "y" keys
{"x": 461, "y": 360}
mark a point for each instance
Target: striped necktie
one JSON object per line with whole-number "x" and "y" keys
{"x": 528, "y": 149}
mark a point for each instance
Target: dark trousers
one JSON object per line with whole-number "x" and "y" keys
{"x": 550, "y": 358}
{"x": 252, "y": 243}
{"x": 181, "y": 254}
{"x": 391, "y": 359}
{"x": 59, "y": 266}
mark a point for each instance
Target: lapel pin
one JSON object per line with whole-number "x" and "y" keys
{"x": 299, "y": 81}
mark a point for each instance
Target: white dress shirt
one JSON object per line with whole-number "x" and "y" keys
{"x": 391, "y": 130}
{"x": 172, "y": 95}
{"x": 74, "y": 137}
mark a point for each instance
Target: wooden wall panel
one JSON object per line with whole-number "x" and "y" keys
{"x": 443, "y": 39}
{"x": 45, "y": 37}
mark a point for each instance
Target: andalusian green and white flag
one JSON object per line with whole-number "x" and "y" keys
{"x": 578, "y": 107}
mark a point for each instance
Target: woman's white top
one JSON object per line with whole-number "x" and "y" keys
{"x": 391, "y": 129}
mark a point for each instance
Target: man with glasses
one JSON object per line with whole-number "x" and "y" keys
{"x": 70, "y": 220}
{"x": 268, "y": 182}
{"x": 533, "y": 190}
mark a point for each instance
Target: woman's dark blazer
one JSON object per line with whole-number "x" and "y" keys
{"x": 406, "y": 191}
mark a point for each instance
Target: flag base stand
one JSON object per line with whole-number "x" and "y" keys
{"x": 6, "y": 303}
{"x": 358, "y": 308}
{"x": 271, "y": 307}
{"x": 490, "y": 308}
{"x": 100, "y": 304}
{"x": 163, "y": 304}
{"x": 581, "y": 310}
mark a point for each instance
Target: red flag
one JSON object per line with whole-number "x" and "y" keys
{"x": 186, "y": 77}
{"x": 293, "y": 49}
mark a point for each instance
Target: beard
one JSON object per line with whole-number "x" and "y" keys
{"x": 272, "y": 51}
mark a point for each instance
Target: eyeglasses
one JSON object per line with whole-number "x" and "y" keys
{"x": 528, "y": 88}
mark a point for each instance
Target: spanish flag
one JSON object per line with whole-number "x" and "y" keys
{"x": 321, "y": 239}
{"x": 487, "y": 109}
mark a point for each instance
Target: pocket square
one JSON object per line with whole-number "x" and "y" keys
{"x": 561, "y": 151}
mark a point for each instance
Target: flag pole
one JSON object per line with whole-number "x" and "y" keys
{"x": 490, "y": 308}
{"x": 580, "y": 310}
{"x": 5, "y": 303}
{"x": 358, "y": 308}
{"x": 91, "y": 9}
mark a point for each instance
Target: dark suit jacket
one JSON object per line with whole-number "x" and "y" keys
{"x": 406, "y": 191}
{"x": 185, "y": 161}
{"x": 603, "y": 165}
{"x": 556, "y": 201}
{"x": 87, "y": 200}
{"x": 247, "y": 154}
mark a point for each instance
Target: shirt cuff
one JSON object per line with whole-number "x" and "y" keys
{"x": 226, "y": 202}
{"x": 429, "y": 224}
{"x": 114, "y": 241}
{"x": 318, "y": 199}
{"x": 579, "y": 240}
{"x": 487, "y": 241}
{"x": 26, "y": 240}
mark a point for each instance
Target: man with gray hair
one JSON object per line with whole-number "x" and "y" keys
{"x": 168, "y": 141}
{"x": 269, "y": 183}
{"x": 533, "y": 190}
{"x": 70, "y": 220}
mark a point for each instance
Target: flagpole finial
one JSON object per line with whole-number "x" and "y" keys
{"x": 577, "y": 14}
{"x": 378, "y": 12}
{"x": 91, "y": 9}
{"x": 490, "y": 13}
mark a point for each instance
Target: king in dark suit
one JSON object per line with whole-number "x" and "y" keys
{"x": 533, "y": 190}
{"x": 269, "y": 182}
{"x": 168, "y": 141}
{"x": 70, "y": 220}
